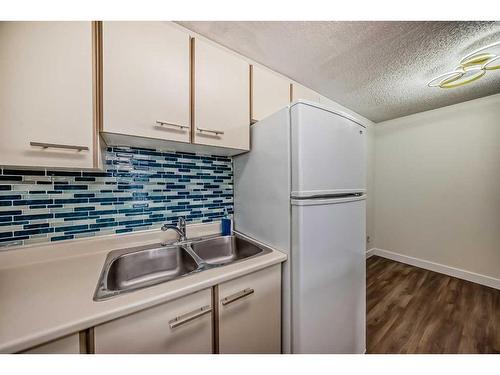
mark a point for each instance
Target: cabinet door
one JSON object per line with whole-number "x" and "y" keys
{"x": 270, "y": 92}
{"x": 66, "y": 345}
{"x": 146, "y": 80}
{"x": 156, "y": 329}
{"x": 221, "y": 102}
{"x": 46, "y": 95}
{"x": 302, "y": 92}
{"x": 250, "y": 313}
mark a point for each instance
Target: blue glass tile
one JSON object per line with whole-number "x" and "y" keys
{"x": 71, "y": 214}
{"x": 10, "y": 212}
{"x": 103, "y": 200}
{"x": 110, "y": 219}
{"x": 32, "y": 202}
{"x": 13, "y": 238}
{"x": 84, "y": 208}
{"x": 63, "y": 173}
{"x": 129, "y": 222}
{"x": 60, "y": 238}
{"x": 33, "y": 217}
{"x": 33, "y": 226}
{"x": 29, "y": 232}
{"x": 125, "y": 230}
{"x": 11, "y": 178}
{"x": 82, "y": 231}
{"x": 135, "y": 184}
{"x": 71, "y": 227}
{"x": 24, "y": 172}
{"x": 70, "y": 187}
{"x": 96, "y": 174}
{"x": 70, "y": 201}
{"x": 103, "y": 225}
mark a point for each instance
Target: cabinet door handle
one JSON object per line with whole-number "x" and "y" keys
{"x": 214, "y": 131}
{"x": 185, "y": 318}
{"x": 236, "y": 296}
{"x": 161, "y": 123}
{"x": 56, "y": 145}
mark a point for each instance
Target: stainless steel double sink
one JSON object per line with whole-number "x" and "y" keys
{"x": 135, "y": 268}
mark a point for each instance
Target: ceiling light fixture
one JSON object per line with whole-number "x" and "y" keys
{"x": 493, "y": 48}
{"x": 435, "y": 82}
{"x": 492, "y": 64}
{"x": 477, "y": 59}
{"x": 472, "y": 67}
{"x": 470, "y": 74}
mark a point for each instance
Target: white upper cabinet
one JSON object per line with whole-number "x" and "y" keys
{"x": 221, "y": 97}
{"x": 146, "y": 80}
{"x": 46, "y": 99}
{"x": 302, "y": 92}
{"x": 270, "y": 92}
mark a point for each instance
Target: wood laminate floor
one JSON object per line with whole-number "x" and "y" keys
{"x": 412, "y": 310}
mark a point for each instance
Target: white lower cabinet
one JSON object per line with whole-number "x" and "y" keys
{"x": 250, "y": 313}
{"x": 179, "y": 326}
{"x": 249, "y": 321}
{"x": 66, "y": 345}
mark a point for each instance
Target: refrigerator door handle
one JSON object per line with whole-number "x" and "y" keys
{"x": 325, "y": 193}
{"x": 328, "y": 200}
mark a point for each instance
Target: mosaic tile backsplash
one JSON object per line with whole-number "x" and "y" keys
{"x": 140, "y": 189}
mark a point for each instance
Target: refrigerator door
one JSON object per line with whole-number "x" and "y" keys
{"x": 328, "y": 275}
{"x": 327, "y": 152}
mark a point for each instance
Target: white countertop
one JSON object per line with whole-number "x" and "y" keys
{"x": 47, "y": 291}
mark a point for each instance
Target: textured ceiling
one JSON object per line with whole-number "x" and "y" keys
{"x": 378, "y": 69}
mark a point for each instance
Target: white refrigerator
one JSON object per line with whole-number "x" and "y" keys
{"x": 301, "y": 189}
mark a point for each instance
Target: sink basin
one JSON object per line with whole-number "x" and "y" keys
{"x": 135, "y": 268}
{"x": 224, "y": 250}
{"x": 139, "y": 267}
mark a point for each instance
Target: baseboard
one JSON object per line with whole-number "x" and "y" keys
{"x": 436, "y": 267}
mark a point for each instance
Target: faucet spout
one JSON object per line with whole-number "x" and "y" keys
{"x": 180, "y": 229}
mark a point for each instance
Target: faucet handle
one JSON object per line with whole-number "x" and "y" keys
{"x": 181, "y": 222}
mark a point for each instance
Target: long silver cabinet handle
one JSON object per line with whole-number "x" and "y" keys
{"x": 185, "y": 318}
{"x": 236, "y": 296}
{"x": 214, "y": 131}
{"x": 56, "y": 145}
{"x": 161, "y": 123}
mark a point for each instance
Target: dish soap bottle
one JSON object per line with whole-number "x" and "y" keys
{"x": 226, "y": 224}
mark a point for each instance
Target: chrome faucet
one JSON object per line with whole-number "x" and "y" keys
{"x": 180, "y": 229}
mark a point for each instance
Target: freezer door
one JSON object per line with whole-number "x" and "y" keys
{"x": 328, "y": 152}
{"x": 328, "y": 276}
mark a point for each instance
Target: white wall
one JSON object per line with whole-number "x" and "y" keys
{"x": 437, "y": 186}
{"x": 370, "y": 181}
